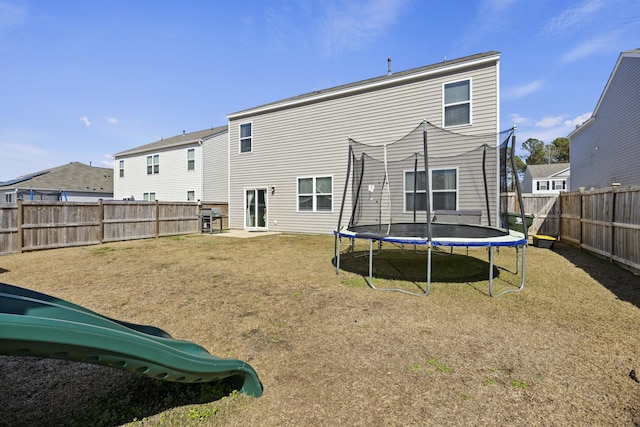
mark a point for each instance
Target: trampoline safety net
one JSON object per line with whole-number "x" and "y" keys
{"x": 387, "y": 184}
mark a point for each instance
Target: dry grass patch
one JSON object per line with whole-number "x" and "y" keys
{"x": 330, "y": 350}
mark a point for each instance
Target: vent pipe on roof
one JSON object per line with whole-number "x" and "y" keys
{"x": 389, "y": 67}
{"x": 183, "y": 132}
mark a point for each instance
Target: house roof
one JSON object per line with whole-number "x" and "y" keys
{"x": 548, "y": 170}
{"x": 387, "y": 80}
{"x": 626, "y": 54}
{"x": 175, "y": 141}
{"x": 74, "y": 176}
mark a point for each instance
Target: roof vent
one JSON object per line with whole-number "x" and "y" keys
{"x": 389, "y": 67}
{"x": 183, "y": 132}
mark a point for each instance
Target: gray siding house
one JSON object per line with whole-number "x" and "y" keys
{"x": 188, "y": 167}
{"x": 73, "y": 182}
{"x": 288, "y": 159}
{"x": 605, "y": 150}
{"x": 546, "y": 179}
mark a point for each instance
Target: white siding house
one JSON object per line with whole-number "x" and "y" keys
{"x": 174, "y": 169}
{"x": 606, "y": 148}
{"x": 546, "y": 179}
{"x": 288, "y": 159}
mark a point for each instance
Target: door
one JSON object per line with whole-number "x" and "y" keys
{"x": 255, "y": 209}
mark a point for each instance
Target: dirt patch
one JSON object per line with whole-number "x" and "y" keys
{"x": 330, "y": 350}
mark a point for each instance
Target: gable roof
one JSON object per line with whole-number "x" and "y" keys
{"x": 626, "y": 54}
{"x": 375, "y": 83}
{"x": 548, "y": 170}
{"x": 175, "y": 141}
{"x": 74, "y": 176}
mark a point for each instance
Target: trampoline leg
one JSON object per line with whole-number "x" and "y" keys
{"x": 428, "y": 269}
{"x": 336, "y": 250}
{"x": 371, "y": 264}
{"x": 491, "y": 270}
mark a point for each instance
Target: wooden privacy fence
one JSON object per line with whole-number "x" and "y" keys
{"x": 34, "y": 225}
{"x": 605, "y": 222}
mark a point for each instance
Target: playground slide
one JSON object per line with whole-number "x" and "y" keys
{"x": 36, "y": 324}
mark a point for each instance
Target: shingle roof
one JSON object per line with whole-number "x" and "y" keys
{"x": 74, "y": 176}
{"x": 175, "y": 141}
{"x": 544, "y": 171}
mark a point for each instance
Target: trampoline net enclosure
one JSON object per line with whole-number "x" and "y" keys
{"x": 392, "y": 195}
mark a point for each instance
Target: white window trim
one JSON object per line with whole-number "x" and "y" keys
{"x": 120, "y": 168}
{"x": 314, "y": 194}
{"x": 153, "y": 164}
{"x": 404, "y": 190}
{"x": 457, "y": 190}
{"x": 470, "y": 102}
{"x": 146, "y": 196}
{"x": 191, "y": 150}
{"x": 240, "y": 137}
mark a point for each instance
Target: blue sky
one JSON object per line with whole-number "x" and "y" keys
{"x": 82, "y": 80}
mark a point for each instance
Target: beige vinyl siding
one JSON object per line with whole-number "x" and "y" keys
{"x": 216, "y": 158}
{"x": 311, "y": 140}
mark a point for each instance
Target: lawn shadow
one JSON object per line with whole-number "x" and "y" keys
{"x": 91, "y": 394}
{"x": 624, "y": 284}
{"x": 2, "y": 270}
{"x": 409, "y": 266}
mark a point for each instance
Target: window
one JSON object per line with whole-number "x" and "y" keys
{"x": 191, "y": 196}
{"x": 121, "y": 163}
{"x": 149, "y": 197}
{"x": 246, "y": 133}
{"x": 543, "y": 185}
{"x": 444, "y": 189}
{"x": 8, "y": 197}
{"x": 191, "y": 159}
{"x": 315, "y": 194}
{"x": 457, "y": 103}
{"x": 153, "y": 164}
{"x": 415, "y": 200}
{"x": 559, "y": 184}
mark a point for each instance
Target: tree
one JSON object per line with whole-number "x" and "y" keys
{"x": 537, "y": 153}
{"x": 561, "y": 150}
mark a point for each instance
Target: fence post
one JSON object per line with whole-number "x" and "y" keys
{"x": 101, "y": 220}
{"x": 19, "y": 215}
{"x": 157, "y": 226}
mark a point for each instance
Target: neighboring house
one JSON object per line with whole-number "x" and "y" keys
{"x": 74, "y": 182}
{"x": 605, "y": 150}
{"x": 188, "y": 167}
{"x": 546, "y": 179}
{"x": 288, "y": 159}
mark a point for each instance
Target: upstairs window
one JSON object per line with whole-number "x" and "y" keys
{"x": 191, "y": 159}
{"x": 315, "y": 194}
{"x": 457, "y": 103}
{"x": 153, "y": 164}
{"x": 121, "y": 166}
{"x": 246, "y": 135}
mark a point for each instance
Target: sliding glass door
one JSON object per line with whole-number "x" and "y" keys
{"x": 255, "y": 209}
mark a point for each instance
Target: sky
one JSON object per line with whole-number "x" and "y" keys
{"x": 83, "y": 80}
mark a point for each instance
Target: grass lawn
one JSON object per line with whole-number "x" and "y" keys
{"x": 332, "y": 351}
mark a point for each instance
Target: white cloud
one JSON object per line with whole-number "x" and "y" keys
{"x": 350, "y": 25}
{"x": 548, "y": 122}
{"x": 573, "y": 123}
{"x": 112, "y": 120}
{"x": 524, "y": 90}
{"x": 602, "y": 44}
{"x": 85, "y": 120}
{"x": 571, "y": 19}
{"x": 107, "y": 161}
{"x": 517, "y": 119}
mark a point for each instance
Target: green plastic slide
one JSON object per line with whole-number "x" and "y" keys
{"x": 39, "y": 325}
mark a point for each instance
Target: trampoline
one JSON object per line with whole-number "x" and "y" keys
{"x": 386, "y": 207}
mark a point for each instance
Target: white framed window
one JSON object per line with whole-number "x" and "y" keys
{"x": 149, "y": 197}
{"x": 191, "y": 196}
{"x": 8, "y": 198}
{"x": 559, "y": 184}
{"x": 457, "y": 103}
{"x": 542, "y": 185}
{"x": 153, "y": 164}
{"x": 415, "y": 191}
{"x": 444, "y": 189}
{"x": 191, "y": 159}
{"x": 246, "y": 137}
{"x": 121, "y": 167}
{"x": 315, "y": 194}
